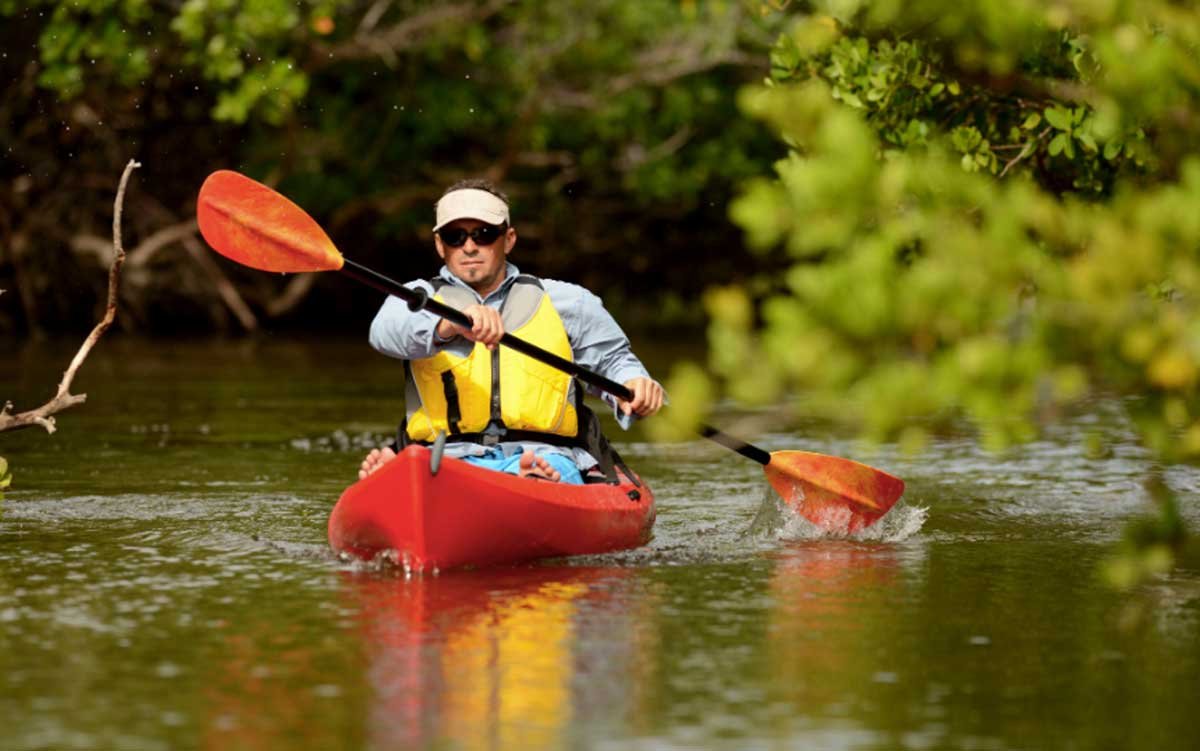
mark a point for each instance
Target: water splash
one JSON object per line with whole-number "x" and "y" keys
{"x": 338, "y": 441}
{"x": 390, "y": 560}
{"x": 777, "y": 520}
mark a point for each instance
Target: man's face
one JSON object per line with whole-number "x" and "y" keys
{"x": 480, "y": 266}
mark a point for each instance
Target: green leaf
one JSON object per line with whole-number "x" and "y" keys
{"x": 1058, "y": 144}
{"x": 850, "y": 98}
{"x": 1059, "y": 118}
{"x": 1112, "y": 150}
{"x": 1032, "y": 121}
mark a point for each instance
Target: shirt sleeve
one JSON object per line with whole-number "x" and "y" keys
{"x": 400, "y": 332}
{"x": 597, "y": 341}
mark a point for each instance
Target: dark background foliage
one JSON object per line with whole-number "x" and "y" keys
{"x": 613, "y": 126}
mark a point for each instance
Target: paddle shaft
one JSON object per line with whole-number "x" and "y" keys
{"x": 420, "y": 300}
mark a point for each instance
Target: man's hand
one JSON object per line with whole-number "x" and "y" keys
{"x": 647, "y": 397}
{"x": 487, "y": 328}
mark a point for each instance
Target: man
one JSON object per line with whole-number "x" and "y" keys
{"x": 533, "y": 425}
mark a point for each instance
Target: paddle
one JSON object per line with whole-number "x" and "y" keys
{"x": 252, "y": 224}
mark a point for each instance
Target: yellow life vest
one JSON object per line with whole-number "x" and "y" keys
{"x": 463, "y": 395}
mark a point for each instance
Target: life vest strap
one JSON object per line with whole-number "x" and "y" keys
{"x": 453, "y": 410}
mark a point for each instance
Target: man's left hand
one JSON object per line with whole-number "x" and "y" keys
{"x": 647, "y": 397}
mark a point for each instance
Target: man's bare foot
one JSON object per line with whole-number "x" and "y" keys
{"x": 376, "y": 459}
{"x": 532, "y": 465}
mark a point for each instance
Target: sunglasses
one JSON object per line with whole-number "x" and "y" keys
{"x": 485, "y": 234}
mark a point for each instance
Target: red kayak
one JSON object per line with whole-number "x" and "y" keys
{"x": 470, "y": 516}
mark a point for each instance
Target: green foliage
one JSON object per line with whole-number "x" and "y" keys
{"x": 611, "y": 123}
{"x": 5, "y": 476}
{"x": 912, "y": 95}
{"x": 990, "y": 214}
{"x": 1150, "y": 546}
{"x": 240, "y": 48}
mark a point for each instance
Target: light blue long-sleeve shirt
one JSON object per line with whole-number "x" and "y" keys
{"x": 597, "y": 343}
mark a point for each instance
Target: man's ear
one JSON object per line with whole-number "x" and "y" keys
{"x": 441, "y": 249}
{"x": 510, "y": 238}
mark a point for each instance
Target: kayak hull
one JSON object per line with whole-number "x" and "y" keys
{"x": 466, "y": 515}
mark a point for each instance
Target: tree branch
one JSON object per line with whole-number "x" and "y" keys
{"x": 144, "y": 251}
{"x": 43, "y": 416}
{"x": 225, "y": 289}
{"x": 1026, "y": 149}
{"x": 388, "y": 43}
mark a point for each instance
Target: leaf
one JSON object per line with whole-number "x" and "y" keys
{"x": 1112, "y": 150}
{"x": 1032, "y": 121}
{"x": 1059, "y": 118}
{"x": 1058, "y": 143}
{"x": 851, "y": 99}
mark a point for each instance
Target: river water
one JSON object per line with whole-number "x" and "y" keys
{"x": 165, "y": 583}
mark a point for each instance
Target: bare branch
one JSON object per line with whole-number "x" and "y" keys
{"x": 1026, "y": 149}
{"x": 228, "y": 293}
{"x": 372, "y": 16}
{"x": 145, "y": 250}
{"x": 389, "y": 42}
{"x": 635, "y": 154}
{"x": 296, "y": 290}
{"x": 663, "y": 66}
{"x": 63, "y": 398}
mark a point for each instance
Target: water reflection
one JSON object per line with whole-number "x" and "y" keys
{"x": 486, "y": 659}
{"x": 829, "y": 626}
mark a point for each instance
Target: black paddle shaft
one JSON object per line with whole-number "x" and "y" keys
{"x": 418, "y": 299}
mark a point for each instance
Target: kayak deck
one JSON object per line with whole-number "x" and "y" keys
{"x": 466, "y": 515}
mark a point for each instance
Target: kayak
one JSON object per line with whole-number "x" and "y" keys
{"x": 465, "y": 515}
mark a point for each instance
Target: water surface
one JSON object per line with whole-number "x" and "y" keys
{"x": 166, "y": 584}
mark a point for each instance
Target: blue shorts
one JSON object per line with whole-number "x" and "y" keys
{"x": 496, "y": 460}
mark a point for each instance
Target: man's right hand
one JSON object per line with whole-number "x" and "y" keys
{"x": 487, "y": 326}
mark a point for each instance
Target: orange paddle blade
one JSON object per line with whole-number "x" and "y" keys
{"x": 837, "y": 495}
{"x": 246, "y": 221}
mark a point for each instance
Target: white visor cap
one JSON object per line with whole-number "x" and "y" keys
{"x": 470, "y": 203}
